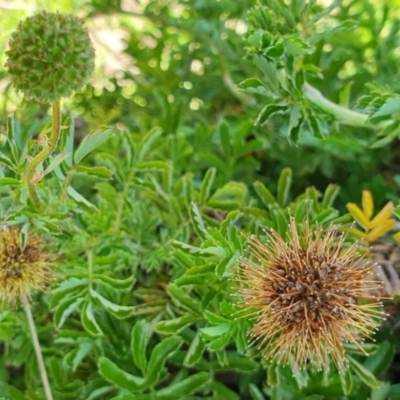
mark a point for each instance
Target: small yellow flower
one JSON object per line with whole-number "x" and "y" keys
{"x": 372, "y": 228}
{"x": 303, "y": 294}
{"x": 22, "y": 269}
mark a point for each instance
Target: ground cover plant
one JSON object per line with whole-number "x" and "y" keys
{"x": 199, "y": 200}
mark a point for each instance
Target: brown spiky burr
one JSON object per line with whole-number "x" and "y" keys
{"x": 304, "y": 293}
{"x": 22, "y": 269}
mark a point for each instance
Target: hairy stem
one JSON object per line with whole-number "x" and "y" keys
{"x": 46, "y": 152}
{"x": 38, "y": 351}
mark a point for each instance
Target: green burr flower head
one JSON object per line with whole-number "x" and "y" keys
{"x": 50, "y": 56}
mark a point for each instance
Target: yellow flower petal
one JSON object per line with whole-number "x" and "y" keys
{"x": 381, "y": 229}
{"x": 367, "y": 203}
{"x": 382, "y": 216}
{"x": 358, "y": 215}
{"x": 396, "y": 236}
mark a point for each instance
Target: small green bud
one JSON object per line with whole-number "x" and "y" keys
{"x": 50, "y": 56}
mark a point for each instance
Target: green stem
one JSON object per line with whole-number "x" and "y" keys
{"x": 46, "y": 152}
{"x": 36, "y": 346}
{"x": 343, "y": 114}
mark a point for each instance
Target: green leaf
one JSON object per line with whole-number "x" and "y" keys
{"x": 284, "y": 183}
{"x": 115, "y": 309}
{"x": 115, "y": 283}
{"x": 264, "y": 194}
{"x": 55, "y": 162}
{"x": 99, "y": 172}
{"x": 238, "y": 363}
{"x": 90, "y": 142}
{"x": 195, "y": 351}
{"x": 379, "y": 361}
{"x": 346, "y": 380}
{"x": 159, "y": 355}
{"x": 392, "y": 105}
{"x": 179, "y": 390}
{"x": 255, "y": 392}
{"x": 153, "y": 166}
{"x": 138, "y": 344}
{"x": 213, "y": 332}
{"x": 220, "y": 343}
{"x": 270, "y": 110}
{"x": 381, "y": 393}
{"x": 118, "y": 377}
{"x": 363, "y": 373}
{"x": 224, "y": 267}
{"x": 206, "y": 185}
{"x": 175, "y": 325}
{"x": 184, "y": 300}
{"x": 221, "y": 392}
{"x": 9, "y": 181}
{"x": 79, "y": 198}
{"x": 330, "y": 195}
{"x": 272, "y": 375}
{"x": 197, "y": 221}
{"x": 67, "y": 287}
{"x": 66, "y": 307}
{"x": 88, "y": 319}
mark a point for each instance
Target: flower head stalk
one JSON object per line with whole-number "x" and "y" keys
{"x": 304, "y": 295}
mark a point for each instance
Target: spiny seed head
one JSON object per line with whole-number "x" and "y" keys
{"x": 304, "y": 296}
{"x": 22, "y": 269}
{"x": 50, "y": 56}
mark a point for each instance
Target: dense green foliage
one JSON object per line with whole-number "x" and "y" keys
{"x": 213, "y": 124}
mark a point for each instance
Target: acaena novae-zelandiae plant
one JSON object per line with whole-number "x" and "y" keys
{"x": 50, "y": 56}
{"x": 25, "y": 267}
{"x": 305, "y": 293}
